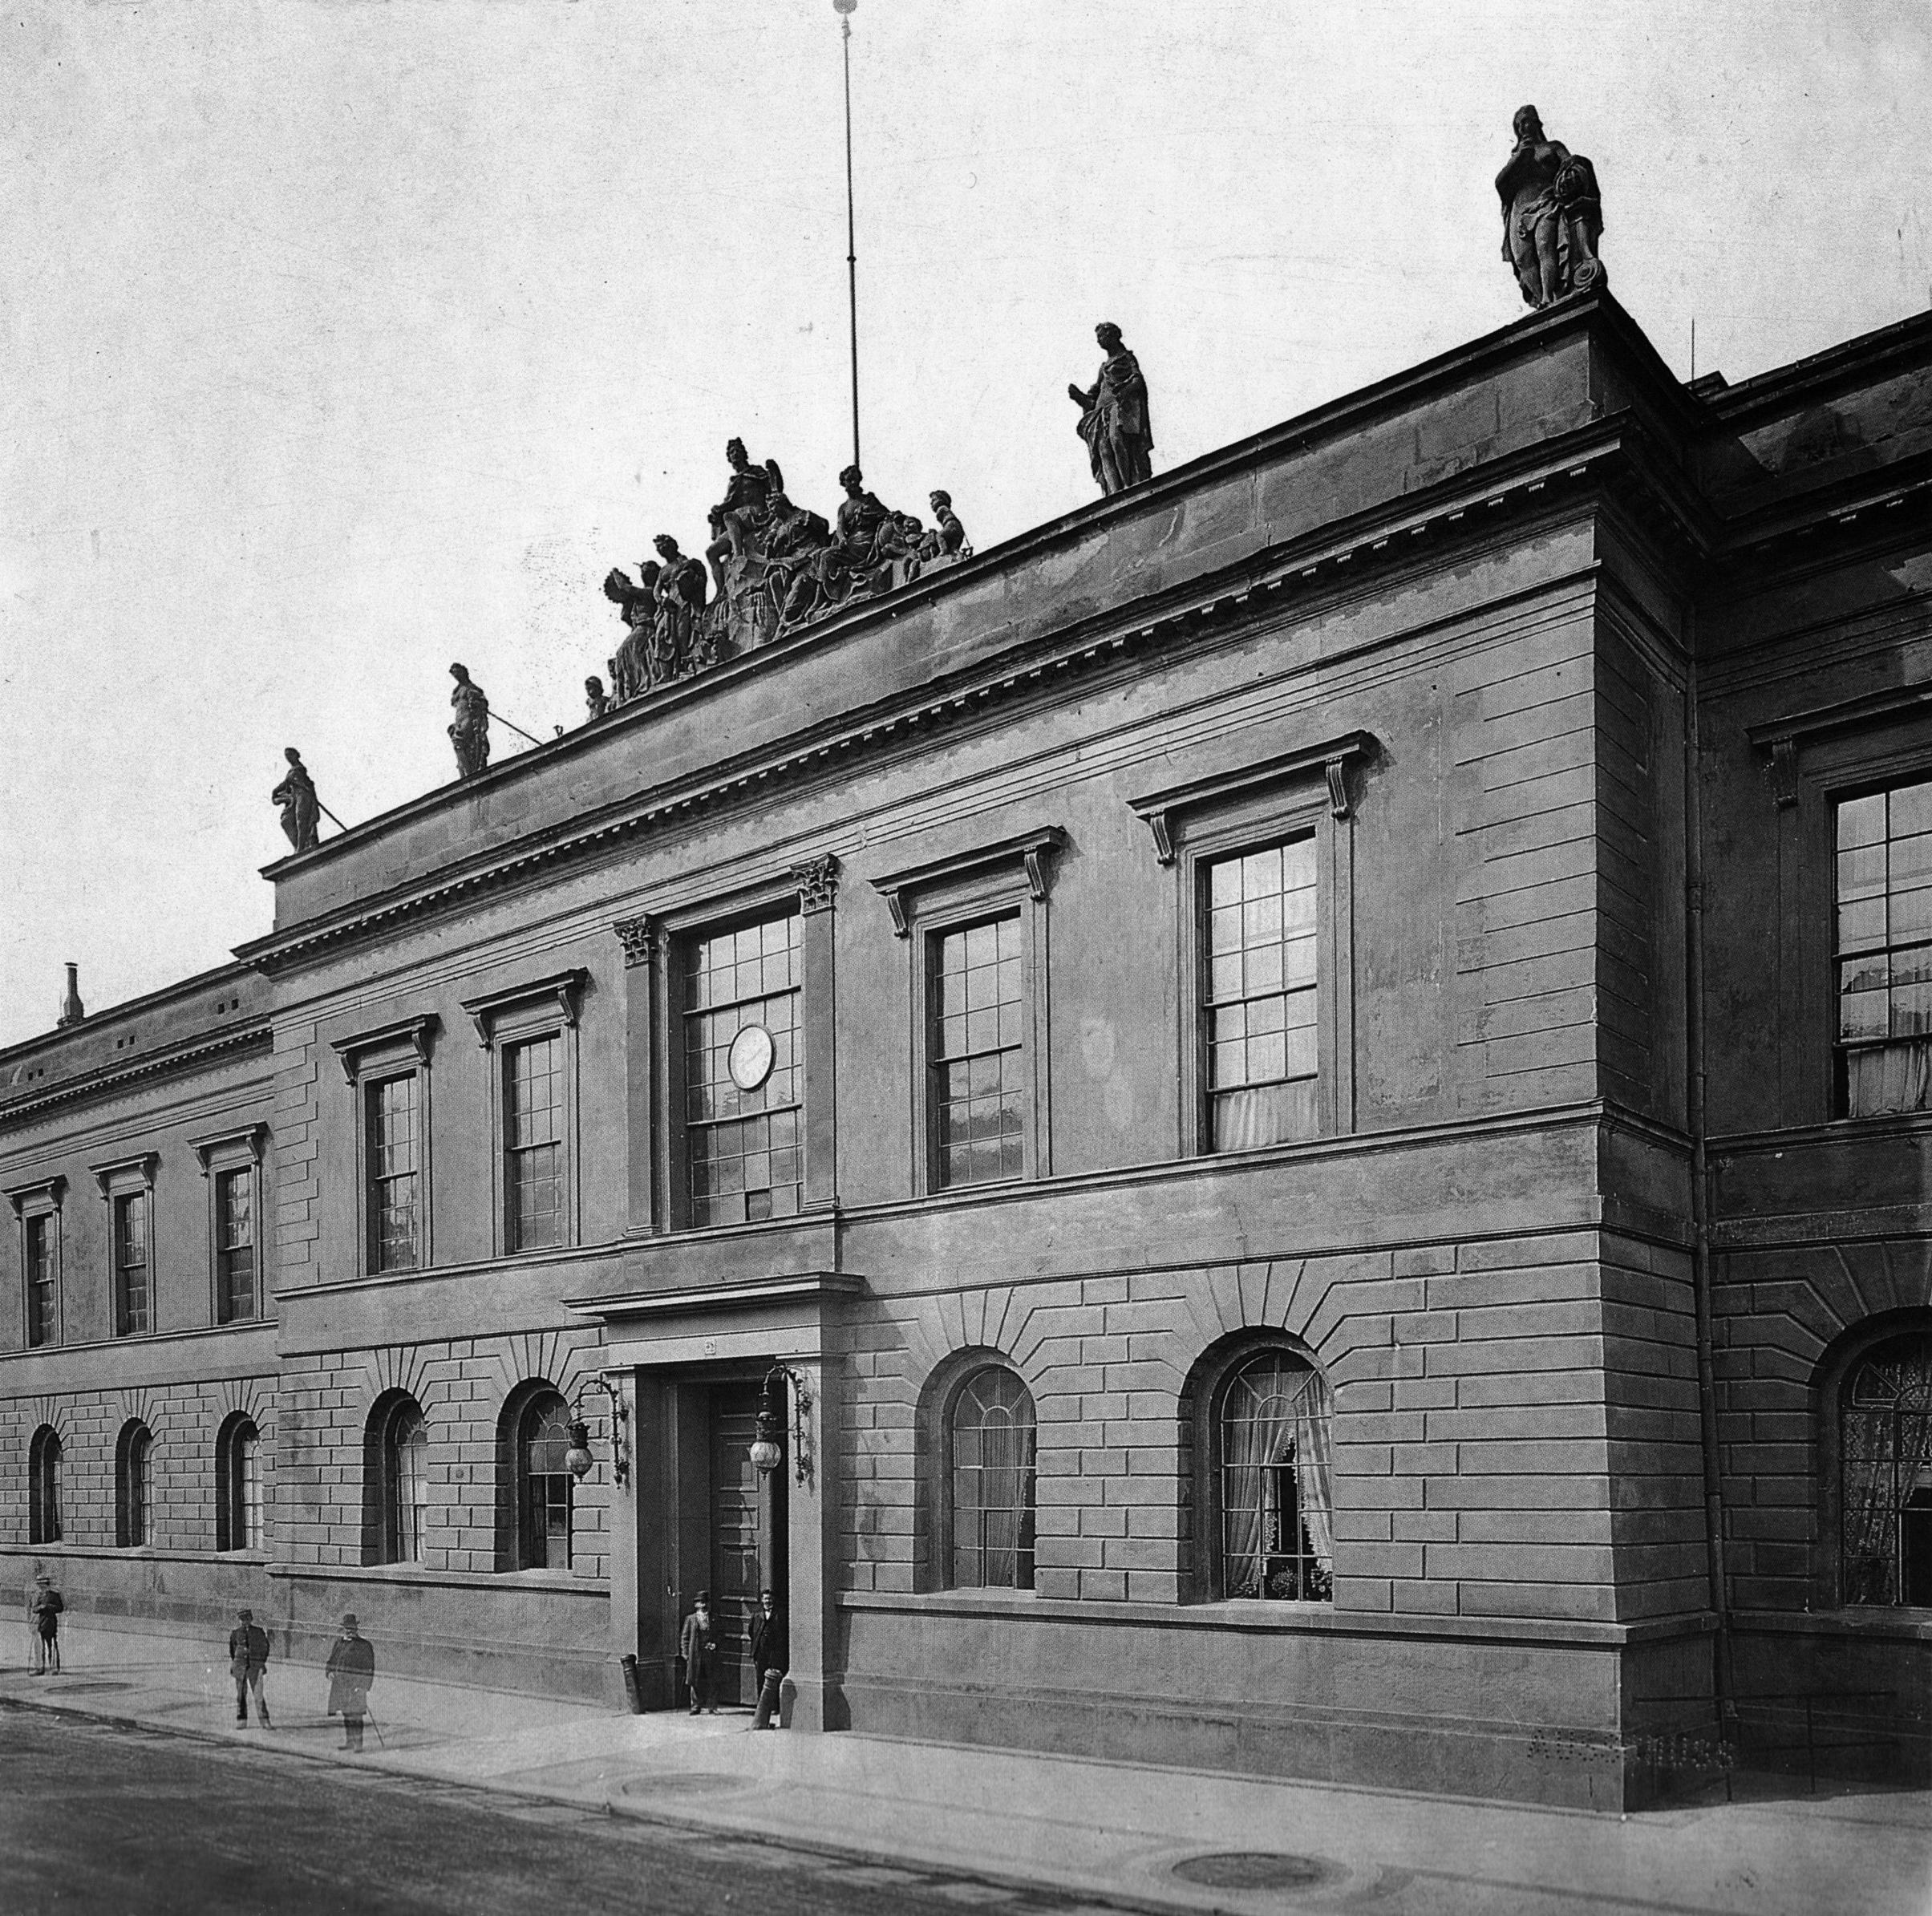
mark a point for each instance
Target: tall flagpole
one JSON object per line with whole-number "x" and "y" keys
{"x": 845, "y": 8}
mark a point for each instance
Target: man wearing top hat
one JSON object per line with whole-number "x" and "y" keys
{"x": 351, "y": 1670}
{"x": 248, "y": 1662}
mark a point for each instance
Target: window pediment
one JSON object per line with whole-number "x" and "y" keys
{"x": 1163, "y": 811}
{"x": 1029, "y": 852}
{"x": 407, "y": 1037}
{"x": 560, "y": 989}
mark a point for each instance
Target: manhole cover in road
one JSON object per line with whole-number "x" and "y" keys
{"x": 1254, "y": 1870}
{"x": 682, "y": 1783}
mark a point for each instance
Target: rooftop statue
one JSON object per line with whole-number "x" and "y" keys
{"x": 300, "y": 810}
{"x": 744, "y": 512}
{"x": 637, "y": 606}
{"x": 1552, "y": 215}
{"x": 681, "y": 643}
{"x": 1114, "y": 418}
{"x": 842, "y": 569}
{"x": 946, "y": 543}
{"x": 595, "y": 703}
{"x": 470, "y": 731}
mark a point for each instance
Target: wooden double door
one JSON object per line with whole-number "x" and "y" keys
{"x": 748, "y": 1534}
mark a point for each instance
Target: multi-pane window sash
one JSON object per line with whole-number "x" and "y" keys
{"x": 533, "y": 1132}
{"x": 1260, "y": 1005}
{"x": 396, "y": 1164}
{"x": 406, "y": 1499}
{"x": 136, "y": 1490}
{"x": 978, "y": 1058}
{"x": 1277, "y": 1496}
{"x": 1883, "y": 955}
{"x": 545, "y": 1474}
{"x": 40, "y": 1279}
{"x": 994, "y": 1436}
{"x": 130, "y": 1289}
{"x": 744, "y": 1149}
{"x": 44, "y": 1471}
{"x": 235, "y": 1246}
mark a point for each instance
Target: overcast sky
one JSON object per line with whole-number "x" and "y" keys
{"x": 346, "y": 339}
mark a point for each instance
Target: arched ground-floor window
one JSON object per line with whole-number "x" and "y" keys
{"x": 238, "y": 1485}
{"x": 992, "y": 1440}
{"x": 134, "y": 1487}
{"x": 1886, "y": 1462}
{"x": 43, "y": 1486}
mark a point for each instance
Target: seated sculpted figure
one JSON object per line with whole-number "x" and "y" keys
{"x": 742, "y": 516}
{"x": 1552, "y": 215}
{"x": 841, "y": 569}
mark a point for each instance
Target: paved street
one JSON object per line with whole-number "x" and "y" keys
{"x": 98, "y": 1816}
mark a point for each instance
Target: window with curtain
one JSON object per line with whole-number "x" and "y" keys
{"x": 544, "y": 1484}
{"x": 394, "y": 1143}
{"x": 1883, "y": 955}
{"x": 42, "y": 1273}
{"x": 743, "y": 1073}
{"x": 235, "y": 1245}
{"x": 238, "y": 1486}
{"x": 405, "y": 1483}
{"x": 1258, "y": 976}
{"x": 134, "y": 1488}
{"x": 130, "y": 1289}
{"x": 43, "y": 1486}
{"x": 1273, "y": 1431}
{"x": 992, "y": 1440}
{"x": 978, "y": 1054}
{"x": 1885, "y": 1457}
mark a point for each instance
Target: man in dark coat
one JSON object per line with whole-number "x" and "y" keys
{"x": 699, "y": 1647}
{"x": 771, "y": 1659}
{"x": 351, "y": 1670}
{"x": 248, "y": 1662}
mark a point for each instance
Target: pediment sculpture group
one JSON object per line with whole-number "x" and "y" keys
{"x": 771, "y": 567}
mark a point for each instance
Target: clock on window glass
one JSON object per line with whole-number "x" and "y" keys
{"x": 751, "y": 1057}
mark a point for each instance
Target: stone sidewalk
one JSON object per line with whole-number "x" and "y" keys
{"x": 1138, "y": 1834}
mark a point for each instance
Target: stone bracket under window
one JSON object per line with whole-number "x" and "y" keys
{"x": 564, "y": 988}
{"x": 1160, "y": 810}
{"x": 1035, "y": 850}
{"x": 121, "y": 1175}
{"x": 231, "y": 1149}
{"x": 412, "y": 1034}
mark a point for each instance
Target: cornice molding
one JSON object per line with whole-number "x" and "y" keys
{"x": 245, "y": 1139}
{"x": 1161, "y": 810}
{"x": 564, "y": 987}
{"x": 53, "y": 1189}
{"x": 99, "y": 1083}
{"x": 1030, "y": 852}
{"x": 414, "y": 1035}
{"x": 122, "y": 1174}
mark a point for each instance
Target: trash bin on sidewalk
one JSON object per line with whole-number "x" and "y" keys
{"x": 633, "y": 1695}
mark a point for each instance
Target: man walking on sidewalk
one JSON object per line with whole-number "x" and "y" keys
{"x": 351, "y": 1670}
{"x": 770, "y": 1658}
{"x": 247, "y": 1662}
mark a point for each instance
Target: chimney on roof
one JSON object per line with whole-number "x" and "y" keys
{"x": 72, "y": 1011}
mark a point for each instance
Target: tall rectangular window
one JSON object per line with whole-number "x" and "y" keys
{"x": 395, "y": 1142}
{"x": 131, "y": 1286}
{"x": 235, "y": 1245}
{"x": 1883, "y": 951}
{"x": 743, "y": 1073}
{"x": 1258, "y": 972}
{"x": 42, "y": 1245}
{"x": 533, "y": 1143}
{"x": 978, "y": 1054}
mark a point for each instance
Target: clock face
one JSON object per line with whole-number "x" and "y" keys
{"x": 751, "y": 1057}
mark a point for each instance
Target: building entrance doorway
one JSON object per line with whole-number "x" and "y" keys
{"x": 746, "y": 1519}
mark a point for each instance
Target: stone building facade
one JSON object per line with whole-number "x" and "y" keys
{"x": 1252, "y": 1081}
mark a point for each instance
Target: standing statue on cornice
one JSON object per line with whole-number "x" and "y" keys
{"x": 1114, "y": 418}
{"x": 301, "y": 808}
{"x": 681, "y": 592}
{"x": 470, "y": 731}
{"x": 631, "y": 672}
{"x": 1552, "y": 215}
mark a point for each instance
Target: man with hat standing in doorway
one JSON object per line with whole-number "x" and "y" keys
{"x": 699, "y": 1647}
{"x": 248, "y": 1662}
{"x": 351, "y": 1670}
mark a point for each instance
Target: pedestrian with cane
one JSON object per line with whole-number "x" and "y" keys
{"x": 350, "y": 1671}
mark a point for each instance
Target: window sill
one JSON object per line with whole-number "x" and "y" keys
{"x": 415, "y": 1575}
{"x": 1892, "y": 1623}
